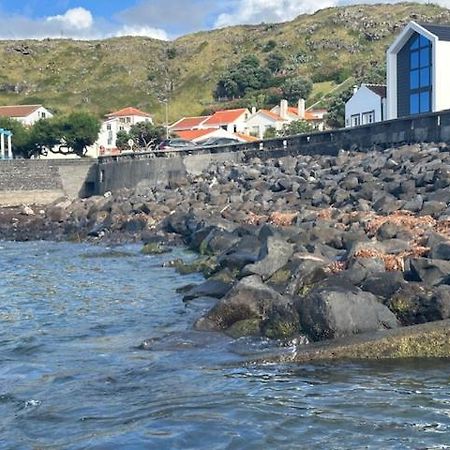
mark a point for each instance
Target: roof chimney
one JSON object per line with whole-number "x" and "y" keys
{"x": 253, "y": 110}
{"x": 355, "y": 89}
{"x": 284, "y": 109}
{"x": 301, "y": 108}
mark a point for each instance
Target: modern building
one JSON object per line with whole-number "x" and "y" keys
{"x": 418, "y": 70}
{"x": 367, "y": 105}
{"x": 121, "y": 120}
{"x": 26, "y": 114}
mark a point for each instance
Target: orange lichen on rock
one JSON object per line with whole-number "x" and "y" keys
{"x": 255, "y": 219}
{"x": 283, "y": 219}
{"x": 325, "y": 214}
{"x": 418, "y": 225}
{"x": 336, "y": 267}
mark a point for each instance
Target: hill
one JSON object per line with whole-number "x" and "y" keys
{"x": 329, "y": 46}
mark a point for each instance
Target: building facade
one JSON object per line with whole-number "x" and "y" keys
{"x": 418, "y": 71}
{"x": 367, "y": 105}
{"x": 26, "y": 114}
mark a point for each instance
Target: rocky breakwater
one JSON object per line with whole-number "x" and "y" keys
{"x": 302, "y": 249}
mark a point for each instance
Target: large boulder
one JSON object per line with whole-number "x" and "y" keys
{"x": 339, "y": 310}
{"x": 274, "y": 254}
{"x": 414, "y": 304}
{"x": 251, "y": 299}
{"x": 246, "y": 251}
{"x": 430, "y": 271}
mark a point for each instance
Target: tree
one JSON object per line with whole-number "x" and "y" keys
{"x": 270, "y": 133}
{"x": 146, "y": 135}
{"x": 122, "y": 140}
{"x": 45, "y": 135}
{"x": 336, "y": 108}
{"x": 78, "y": 131}
{"x": 296, "y": 88}
{"x": 21, "y": 143}
{"x": 247, "y": 76}
{"x": 275, "y": 62}
{"x": 295, "y": 127}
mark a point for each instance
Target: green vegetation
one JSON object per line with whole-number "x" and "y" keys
{"x": 296, "y": 127}
{"x": 102, "y": 76}
{"x": 295, "y": 88}
{"x": 144, "y": 135}
{"x": 65, "y": 134}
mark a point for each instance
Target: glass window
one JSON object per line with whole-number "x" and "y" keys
{"x": 424, "y": 41}
{"x": 424, "y": 57}
{"x": 414, "y": 79}
{"x": 420, "y": 82}
{"x": 425, "y": 102}
{"x": 414, "y": 60}
{"x": 424, "y": 77}
{"x": 414, "y": 104}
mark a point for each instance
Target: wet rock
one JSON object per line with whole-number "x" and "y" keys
{"x": 246, "y": 251}
{"x": 247, "y": 327}
{"x": 210, "y": 288}
{"x": 415, "y": 304}
{"x": 248, "y": 299}
{"x": 155, "y": 248}
{"x": 331, "y": 312}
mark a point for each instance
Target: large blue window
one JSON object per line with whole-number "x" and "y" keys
{"x": 420, "y": 75}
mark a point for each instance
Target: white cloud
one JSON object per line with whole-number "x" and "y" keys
{"x": 256, "y": 11}
{"x": 131, "y": 30}
{"x": 76, "y": 18}
{"x": 76, "y": 23}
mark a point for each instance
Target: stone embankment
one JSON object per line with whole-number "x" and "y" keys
{"x": 307, "y": 248}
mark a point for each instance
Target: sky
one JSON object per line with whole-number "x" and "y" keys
{"x": 161, "y": 19}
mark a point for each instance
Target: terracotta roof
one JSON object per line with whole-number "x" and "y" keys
{"x": 270, "y": 114}
{"x": 18, "y": 110}
{"x": 311, "y": 114}
{"x": 128, "y": 112}
{"x": 188, "y": 123}
{"x": 225, "y": 117}
{"x": 190, "y": 135}
{"x": 379, "y": 89}
{"x": 246, "y": 137}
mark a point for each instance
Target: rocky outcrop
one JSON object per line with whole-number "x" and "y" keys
{"x": 313, "y": 245}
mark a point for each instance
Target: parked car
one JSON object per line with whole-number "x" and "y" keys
{"x": 175, "y": 144}
{"x": 219, "y": 141}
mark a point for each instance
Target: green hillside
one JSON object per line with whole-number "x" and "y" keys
{"x": 100, "y": 76}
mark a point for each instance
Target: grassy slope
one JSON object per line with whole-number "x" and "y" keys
{"x": 101, "y": 76}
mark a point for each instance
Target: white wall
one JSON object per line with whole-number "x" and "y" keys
{"x": 441, "y": 65}
{"x": 40, "y": 113}
{"x": 259, "y": 123}
{"x": 364, "y": 100}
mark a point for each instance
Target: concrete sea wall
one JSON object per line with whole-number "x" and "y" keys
{"x": 43, "y": 181}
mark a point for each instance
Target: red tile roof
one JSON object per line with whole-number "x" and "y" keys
{"x": 226, "y": 117}
{"x": 18, "y": 110}
{"x": 188, "y": 123}
{"x": 312, "y": 114}
{"x": 270, "y": 114}
{"x": 128, "y": 112}
{"x": 246, "y": 137}
{"x": 190, "y": 135}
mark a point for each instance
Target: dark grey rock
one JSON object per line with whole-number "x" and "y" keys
{"x": 429, "y": 271}
{"x": 337, "y": 311}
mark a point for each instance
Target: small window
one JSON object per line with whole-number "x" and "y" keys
{"x": 414, "y": 60}
{"x": 356, "y": 120}
{"x": 368, "y": 117}
{"x": 414, "y": 79}
{"x": 415, "y": 43}
{"x": 108, "y": 127}
{"x": 424, "y": 102}
{"x": 414, "y": 103}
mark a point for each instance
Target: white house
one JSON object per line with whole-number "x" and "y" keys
{"x": 367, "y": 105}
{"x": 232, "y": 120}
{"x": 261, "y": 121}
{"x": 121, "y": 120}
{"x": 418, "y": 70}
{"x": 25, "y": 114}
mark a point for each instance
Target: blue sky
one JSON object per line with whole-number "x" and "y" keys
{"x": 162, "y": 19}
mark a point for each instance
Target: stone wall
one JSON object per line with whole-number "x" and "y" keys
{"x": 43, "y": 181}
{"x": 128, "y": 171}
